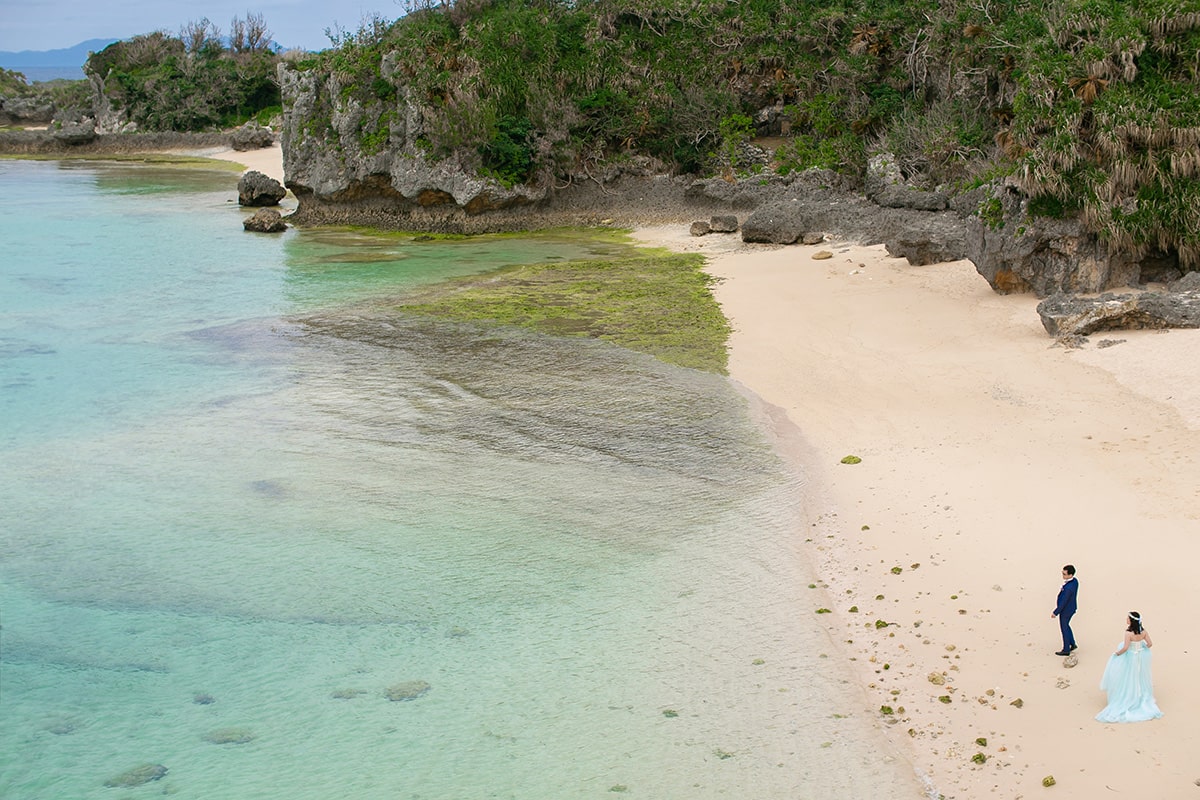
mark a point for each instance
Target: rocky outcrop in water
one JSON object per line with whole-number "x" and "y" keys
{"x": 406, "y": 690}
{"x": 257, "y": 189}
{"x": 141, "y": 774}
{"x": 265, "y": 220}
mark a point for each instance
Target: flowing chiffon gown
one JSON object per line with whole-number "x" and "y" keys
{"x": 1130, "y": 691}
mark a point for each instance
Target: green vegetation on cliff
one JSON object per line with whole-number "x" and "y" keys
{"x": 195, "y": 81}
{"x": 1089, "y": 105}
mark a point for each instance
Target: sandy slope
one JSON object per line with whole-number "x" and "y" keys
{"x": 990, "y": 458}
{"x": 267, "y": 160}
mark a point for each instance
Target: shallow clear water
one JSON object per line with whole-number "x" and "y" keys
{"x": 239, "y": 501}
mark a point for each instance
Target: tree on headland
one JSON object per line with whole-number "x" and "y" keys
{"x": 193, "y": 81}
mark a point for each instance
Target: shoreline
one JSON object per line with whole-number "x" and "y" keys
{"x": 990, "y": 458}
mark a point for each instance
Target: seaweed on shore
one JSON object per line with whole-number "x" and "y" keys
{"x": 660, "y": 304}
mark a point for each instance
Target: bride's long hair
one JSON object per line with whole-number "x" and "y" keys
{"x": 1135, "y": 623}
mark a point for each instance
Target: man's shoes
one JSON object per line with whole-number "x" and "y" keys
{"x": 1074, "y": 647}
{"x": 1063, "y": 653}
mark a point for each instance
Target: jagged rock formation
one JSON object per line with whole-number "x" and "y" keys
{"x": 257, "y": 189}
{"x": 1017, "y": 251}
{"x": 26, "y": 110}
{"x": 265, "y": 220}
{"x": 885, "y": 184}
{"x": 251, "y": 136}
{"x": 75, "y": 133}
{"x": 334, "y": 169}
{"x": 1066, "y": 316}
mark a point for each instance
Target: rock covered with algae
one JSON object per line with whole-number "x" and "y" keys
{"x": 406, "y": 690}
{"x": 143, "y": 773}
{"x": 229, "y": 736}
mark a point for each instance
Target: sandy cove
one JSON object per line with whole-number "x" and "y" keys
{"x": 267, "y": 160}
{"x": 990, "y": 458}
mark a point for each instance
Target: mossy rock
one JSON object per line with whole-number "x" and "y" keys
{"x": 979, "y": 758}
{"x": 851, "y": 460}
{"x": 406, "y": 690}
{"x": 229, "y": 736}
{"x": 143, "y": 773}
{"x": 1048, "y": 781}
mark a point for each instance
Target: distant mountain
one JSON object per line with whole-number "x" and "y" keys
{"x": 45, "y": 65}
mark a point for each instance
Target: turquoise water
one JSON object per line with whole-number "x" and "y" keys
{"x": 240, "y": 502}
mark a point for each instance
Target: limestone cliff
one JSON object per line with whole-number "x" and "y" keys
{"x": 348, "y": 160}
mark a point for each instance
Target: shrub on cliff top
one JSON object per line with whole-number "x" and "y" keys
{"x": 1087, "y": 104}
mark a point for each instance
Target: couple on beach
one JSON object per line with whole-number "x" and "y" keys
{"x": 1126, "y": 677}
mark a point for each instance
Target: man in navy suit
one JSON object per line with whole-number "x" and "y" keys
{"x": 1065, "y": 609}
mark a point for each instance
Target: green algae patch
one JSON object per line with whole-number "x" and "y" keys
{"x": 154, "y": 159}
{"x": 660, "y": 304}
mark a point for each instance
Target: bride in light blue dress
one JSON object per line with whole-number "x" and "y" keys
{"x": 1127, "y": 678}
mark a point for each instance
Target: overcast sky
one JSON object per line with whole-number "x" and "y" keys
{"x": 54, "y": 24}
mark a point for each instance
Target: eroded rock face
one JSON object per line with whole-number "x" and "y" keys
{"x": 251, "y": 136}
{"x": 778, "y": 223}
{"x": 75, "y": 133}
{"x": 265, "y": 220}
{"x": 1065, "y": 315}
{"x": 1016, "y": 253}
{"x": 940, "y": 238}
{"x": 26, "y": 110}
{"x": 339, "y": 152}
{"x": 257, "y": 189}
{"x": 723, "y": 223}
{"x": 885, "y": 185}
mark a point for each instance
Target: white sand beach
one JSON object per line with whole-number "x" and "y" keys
{"x": 990, "y": 458}
{"x": 267, "y": 160}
